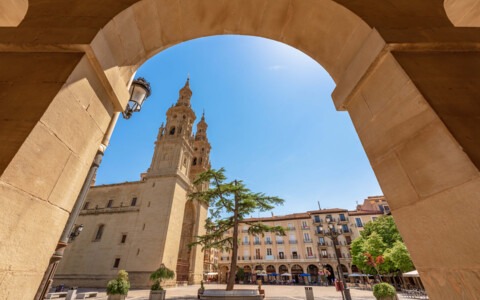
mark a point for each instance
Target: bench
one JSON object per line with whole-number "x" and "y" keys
{"x": 230, "y": 295}
{"x": 56, "y": 295}
{"x": 86, "y": 295}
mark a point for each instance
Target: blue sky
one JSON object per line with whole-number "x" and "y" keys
{"x": 272, "y": 122}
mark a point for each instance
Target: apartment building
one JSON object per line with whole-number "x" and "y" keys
{"x": 304, "y": 249}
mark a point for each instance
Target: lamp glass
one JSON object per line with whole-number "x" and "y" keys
{"x": 138, "y": 94}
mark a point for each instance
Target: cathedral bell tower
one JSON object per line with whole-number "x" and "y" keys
{"x": 174, "y": 148}
{"x": 201, "y": 150}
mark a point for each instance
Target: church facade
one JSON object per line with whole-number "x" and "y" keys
{"x": 138, "y": 226}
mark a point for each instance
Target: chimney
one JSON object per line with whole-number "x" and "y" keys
{"x": 319, "y": 207}
{"x": 271, "y": 213}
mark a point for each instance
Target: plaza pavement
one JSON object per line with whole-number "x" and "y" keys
{"x": 272, "y": 292}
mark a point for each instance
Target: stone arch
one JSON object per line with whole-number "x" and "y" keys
{"x": 282, "y": 269}
{"x": 330, "y": 272}
{"x": 424, "y": 152}
{"x": 313, "y": 271}
{"x": 463, "y": 13}
{"x": 12, "y": 12}
{"x": 270, "y": 269}
{"x": 249, "y": 20}
{"x": 296, "y": 270}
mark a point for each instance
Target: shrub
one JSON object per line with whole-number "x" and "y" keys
{"x": 383, "y": 290}
{"x": 201, "y": 285}
{"x": 159, "y": 275}
{"x": 119, "y": 285}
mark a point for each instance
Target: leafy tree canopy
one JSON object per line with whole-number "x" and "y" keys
{"x": 381, "y": 238}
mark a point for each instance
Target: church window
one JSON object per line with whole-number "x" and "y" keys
{"x": 116, "y": 263}
{"x": 143, "y": 226}
{"x": 148, "y": 204}
{"x": 172, "y": 130}
{"x": 184, "y": 117}
{"x": 194, "y": 163}
{"x": 98, "y": 236}
{"x": 174, "y": 116}
{"x": 86, "y": 205}
{"x": 124, "y": 238}
{"x": 138, "y": 251}
{"x": 134, "y": 201}
{"x": 203, "y": 150}
{"x": 110, "y": 202}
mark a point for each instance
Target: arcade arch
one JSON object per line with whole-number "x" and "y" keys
{"x": 396, "y": 81}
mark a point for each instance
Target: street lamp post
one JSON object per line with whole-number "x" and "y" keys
{"x": 139, "y": 92}
{"x": 333, "y": 234}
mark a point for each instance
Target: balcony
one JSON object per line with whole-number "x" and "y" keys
{"x": 225, "y": 258}
{"x": 346, "y": 255}
{"x": 347, "y": 231}
{"x": 305, "y": 227}
{"x": 319, "y": 221}
{"x": 281, "y": 256}
{"x": 280, "y": 242}
{"x": 244, "y": 230}
{"x": 267, "y": 242}
{"x": 307, "y": 241}
{"x": 320, "y": 232}
{"x": 258, "y": 257}
{"x": 324, "y": 244}
{"x": 330, "y": 220}
{"x": 246, "y": 257}
{"x": 295, "y": 256}
{"x": 245, "y": 243}
{"x": 257, "y": 243}
{"x": 292, "y": 241}
{"x": 311, "y": 257}
{"x": 290, "y": 228}
{"x": 343, "y": 221}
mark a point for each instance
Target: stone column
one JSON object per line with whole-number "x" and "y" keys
{"x": 416, "y": 136}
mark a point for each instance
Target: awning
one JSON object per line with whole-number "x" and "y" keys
{"x": 413, "y": 273}
{"x": 214, "y": 273}
{"x": 304, "y": 274}
{"x": 286, "y": 274}
{"x": 273, "y": 274}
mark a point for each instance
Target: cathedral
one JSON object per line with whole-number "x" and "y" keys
{"x": 138, "y": 226}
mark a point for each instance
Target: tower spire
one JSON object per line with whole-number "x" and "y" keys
{"x": 185, "y": 94}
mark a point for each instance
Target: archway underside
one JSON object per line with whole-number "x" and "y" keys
{"x": 407, "y": 77}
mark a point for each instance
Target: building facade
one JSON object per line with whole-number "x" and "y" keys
{"x": 304, "y": 249}
{"x": 138, "y": 226}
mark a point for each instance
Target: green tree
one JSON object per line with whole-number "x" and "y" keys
{"x": 230, "y": 203}
{"x": 385, "y": 227}
{"x": 401, "y": 257}
{"x": 381, "y": 238}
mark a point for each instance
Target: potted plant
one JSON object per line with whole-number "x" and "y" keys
{"x": 117, "y": 289}
{"x": 162, "y": 273}
{"x": 201, "y": 289}
{"x": 384, "y": 291}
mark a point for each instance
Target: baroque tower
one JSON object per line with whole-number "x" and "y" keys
{"x": 138, "y": 226}
{"x": 173, "y": 148}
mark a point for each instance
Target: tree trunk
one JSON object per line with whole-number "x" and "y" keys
{"x": 233, "y": 264}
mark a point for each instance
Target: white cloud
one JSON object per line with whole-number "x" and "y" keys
{"x": 276, "y": 67}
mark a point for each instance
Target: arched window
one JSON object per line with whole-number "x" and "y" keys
{"x": 201, "y": 160}
{"x": 194, "y": 163}
{"x": 99, "y": 232}
{"x": 172, "y": 130}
